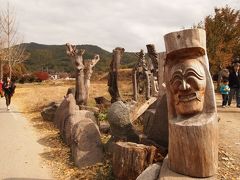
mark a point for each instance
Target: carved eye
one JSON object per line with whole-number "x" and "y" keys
{"x": 176, "y": 82}
{"x": 193, "y": 82}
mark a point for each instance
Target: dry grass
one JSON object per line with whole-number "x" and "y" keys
{"x": 30, "y": 99}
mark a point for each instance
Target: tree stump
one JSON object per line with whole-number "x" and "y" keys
{"x": 131, "y": 159}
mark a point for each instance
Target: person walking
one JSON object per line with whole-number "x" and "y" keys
{"x": 234, "y": 84}
{"x": 1, "y": 88}
{"x": 9, "y": 88}
{"x": 224, "y": 89}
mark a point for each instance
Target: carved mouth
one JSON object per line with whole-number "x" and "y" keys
{"x": 188, "y": 97}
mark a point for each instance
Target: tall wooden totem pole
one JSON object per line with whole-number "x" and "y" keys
{"x": 141, "y": 77}
{"x": 113, "y": 74}
{"x": 193, "y": 120}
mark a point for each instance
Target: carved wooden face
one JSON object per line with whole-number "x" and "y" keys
{"x": 187, "y": 85}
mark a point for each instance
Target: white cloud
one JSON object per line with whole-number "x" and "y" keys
{"x": 127, "y": 23}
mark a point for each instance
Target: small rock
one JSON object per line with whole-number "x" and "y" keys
{"x": 151, "y": 173}
{"x": 48, "y": 112}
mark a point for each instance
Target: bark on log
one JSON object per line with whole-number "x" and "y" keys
{"x": 131, "y": 159}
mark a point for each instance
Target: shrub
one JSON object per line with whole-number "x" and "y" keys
{"x": 41, "y": 76}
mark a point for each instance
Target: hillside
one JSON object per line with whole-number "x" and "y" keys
{"x": 54, "y": 58}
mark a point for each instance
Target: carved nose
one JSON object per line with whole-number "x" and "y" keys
{"x": 184, "y": 86}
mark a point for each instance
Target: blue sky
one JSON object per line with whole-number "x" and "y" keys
{"x": 108, "y": 23}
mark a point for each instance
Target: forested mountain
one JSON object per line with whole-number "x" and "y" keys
{"x": 54, "y": 58}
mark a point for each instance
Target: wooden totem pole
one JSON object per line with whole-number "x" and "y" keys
{"x": 140, "y": 75}
{"x": 193, "y": 120}
{"x": 154, "y": 71}
{"x": 113, "y": 74}
{"x": 83, "y": 73}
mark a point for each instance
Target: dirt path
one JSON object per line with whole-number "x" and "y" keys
{"x": 19, "y": 150}
{"x": 229, "y": 141}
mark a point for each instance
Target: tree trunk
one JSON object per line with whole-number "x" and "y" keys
{"x": 113, "y": 74}
{"x": 10, "y": 70}
{"x": 88, "y": 70}
{"x": 87, "y": 87}
{"x": 130, "y": 159}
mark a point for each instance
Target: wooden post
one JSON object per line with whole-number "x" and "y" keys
{"x": 193, "y": 122}
{"x": 161, "y": 62}
{"x": 135, "y": 86}
{"x": 130, "y": 159}
{"x": 113, "y": 74}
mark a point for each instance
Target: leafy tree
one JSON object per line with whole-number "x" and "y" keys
{"x": 223, "y": 37}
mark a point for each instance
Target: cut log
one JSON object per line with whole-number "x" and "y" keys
{"x": 131, "y": 159}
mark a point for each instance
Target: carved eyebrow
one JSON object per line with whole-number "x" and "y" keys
{"x": 178, "y": 75}
{"x": 194, "y": 72}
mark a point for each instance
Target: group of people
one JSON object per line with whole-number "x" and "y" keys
{"x": 7, "y": 89}
{"x": 231, "y": 87}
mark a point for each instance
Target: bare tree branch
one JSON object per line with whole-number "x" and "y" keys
{"x": 12, "y": 52}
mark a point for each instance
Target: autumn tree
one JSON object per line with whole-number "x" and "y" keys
{"x": 12, "y": 50}
{"x": 223, "y": 37}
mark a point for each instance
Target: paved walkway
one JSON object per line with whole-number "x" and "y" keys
{"x": 19, "y": 150}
